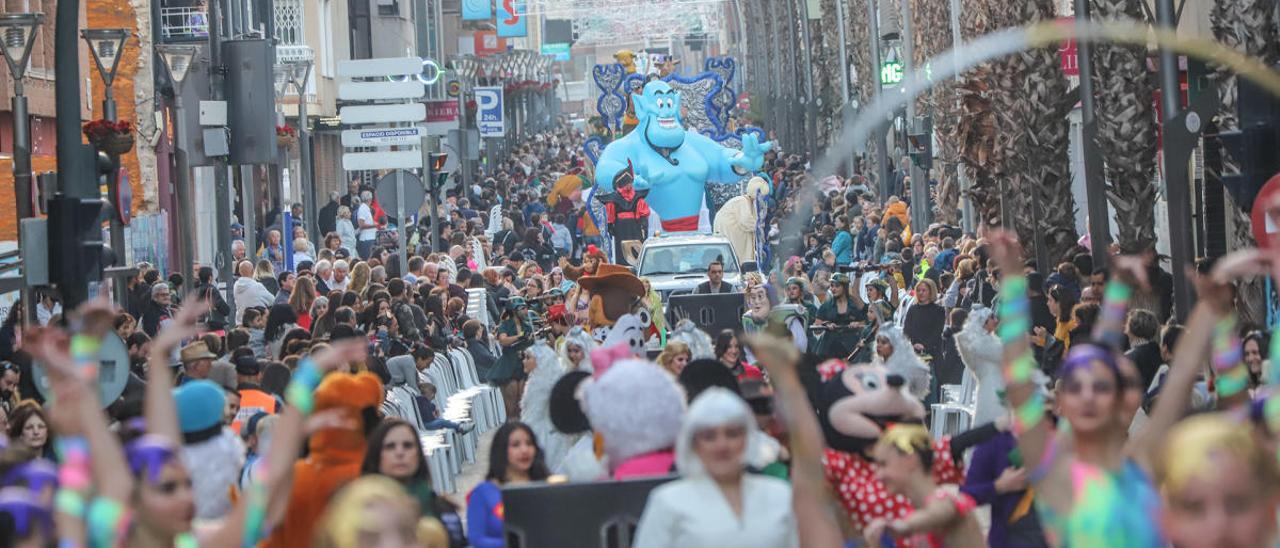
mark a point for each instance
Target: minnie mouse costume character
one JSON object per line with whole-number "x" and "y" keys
{"x": 858, "y": 404}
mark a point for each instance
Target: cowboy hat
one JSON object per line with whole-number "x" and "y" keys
{"x": 613, "y": 275}
{"x": 196, "y": 351}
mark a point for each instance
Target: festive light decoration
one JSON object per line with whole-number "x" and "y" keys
{"x": 610, "y": 21}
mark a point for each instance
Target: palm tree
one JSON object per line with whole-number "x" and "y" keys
{"x": 977, "y": 135}
{"x": 1127, "y": 130}
{"x": 1046, "y": 171}
{"x": 1246, "y": 25}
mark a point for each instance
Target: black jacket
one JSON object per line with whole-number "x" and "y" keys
{"x": 1146, "y": 357}
{"x": 219, "y": 310}
{"x": 152, "y": 317}
{"x": 704, "y": 288}
{"x": 328, "y": 218}
{"x": 483, "y": 357}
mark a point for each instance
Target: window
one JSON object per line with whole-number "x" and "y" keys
{"x": 685, "y": 259}
{"x": 388, "y": 8}
{"x": 289, "y": 23}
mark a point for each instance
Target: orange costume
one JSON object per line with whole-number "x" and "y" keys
{"x": 334, "y": 459}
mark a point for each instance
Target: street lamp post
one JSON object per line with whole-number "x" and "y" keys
{"x": 465, "y": 66}
{"x": 177, "y": 60}
{"x": 18, "y": 31}
{"x": 296, "y": 74}
{"x": 106, "y": 45}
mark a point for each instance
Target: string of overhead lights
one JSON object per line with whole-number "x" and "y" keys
{"x": 597, "y": 21}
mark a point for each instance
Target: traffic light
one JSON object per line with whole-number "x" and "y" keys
{"x": 438, "y": 175}
{"x": 1254, "y": 145}
{"x": 76, "y": 252}
{"x": 920, "y": 139}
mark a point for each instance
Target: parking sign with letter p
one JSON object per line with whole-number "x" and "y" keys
{"x": 489, "y": 112}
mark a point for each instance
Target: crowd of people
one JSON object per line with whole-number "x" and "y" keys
{"x": 1092, "y": 415}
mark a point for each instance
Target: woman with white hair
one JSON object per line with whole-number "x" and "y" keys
{"x": 346, "y": 229}
{"x": 575, "y": 350}
{"x": 716, "y": 502}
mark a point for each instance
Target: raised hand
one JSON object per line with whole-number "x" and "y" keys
{"x": 183, "y": 326}
{"x": 1006, "y": 250}
{"x": 340, "y": 353}
{"x": 1131, "y": 270}
{"x": 753, "y": 151}
{"x": 778, "y": 357}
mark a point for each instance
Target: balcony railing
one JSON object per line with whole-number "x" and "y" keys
{"x": 183, "y": 23}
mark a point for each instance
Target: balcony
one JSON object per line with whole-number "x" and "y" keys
{"x": 185, "y": 23}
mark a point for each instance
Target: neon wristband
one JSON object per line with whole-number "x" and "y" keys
{"x": 185, "y": 540}
{"x": 107, "y": 522}
{"x": 69, "y": 502}
{"x": 1227, "y": 352}
{"x": 1020, "y": 369}
{"x": 1029, "y": 414}
{"x": 84, "y": 346}
{"x": 1117, "y": 291}
{"x": 74, "y": 472}
{"x": 1273, "y": 376}
{"x": 301, "y": 390}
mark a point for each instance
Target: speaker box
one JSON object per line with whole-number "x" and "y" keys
{"x": 599, "y": 514}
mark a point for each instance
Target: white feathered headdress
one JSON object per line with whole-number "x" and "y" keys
{"x": 905, "y": 362}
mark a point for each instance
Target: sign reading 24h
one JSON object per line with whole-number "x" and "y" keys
{"x": 489, "y": 113}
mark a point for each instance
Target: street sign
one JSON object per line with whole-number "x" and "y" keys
{"x": 891, "y": 73}
{"x": 477, "y": 10}
{"x": 372, "y": 137}
{"x": 414, "y": 193}
{"x": 560, "y": 51}
{"x": 442, "y": 116}
{"x": 455, "y": 88}
{"x": 380, "y": 114}
{"x": 113, "y": 371}
{"x": 400, "y": 159}
{"x": 375, "y": 91}
{"x": 372, "y": 68}
{"x": 1264, "y": 231}
{"x": 489, "y": 112}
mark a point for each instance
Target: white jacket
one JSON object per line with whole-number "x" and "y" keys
{"x": 250, "y": 292}
{"x": 981, "y": 353}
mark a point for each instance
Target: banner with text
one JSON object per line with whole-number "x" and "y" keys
{"x": 442, "y": 116}
{"x": 511, "y": 19}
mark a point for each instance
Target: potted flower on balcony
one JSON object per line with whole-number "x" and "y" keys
{"x": 286, "y": 136}
{"x": 111, "y": 137}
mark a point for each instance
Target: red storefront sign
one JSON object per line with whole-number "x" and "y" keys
{"x": 1070, "y": 53}
{"x": 488, "y": 43}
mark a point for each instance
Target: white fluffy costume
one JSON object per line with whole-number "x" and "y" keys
{"x": 738, "y": 219}
{"x": 580, "y": 338}
{"x": 637, "y": 408}
{"x": 905, "y": 362}
{"x": 700, "y": 344}
{"x": 535, "y": 404}
{"x": 981, "y": 353}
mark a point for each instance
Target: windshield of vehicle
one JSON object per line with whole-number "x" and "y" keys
{"x": 685, "y": 259}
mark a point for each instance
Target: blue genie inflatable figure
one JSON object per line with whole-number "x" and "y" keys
{"x": 673, "y": 163}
